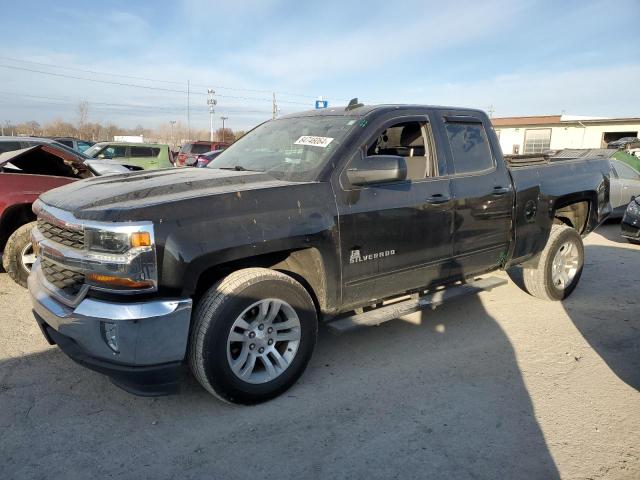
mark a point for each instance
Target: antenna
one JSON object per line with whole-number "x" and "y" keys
{"x": 353, "y": 104}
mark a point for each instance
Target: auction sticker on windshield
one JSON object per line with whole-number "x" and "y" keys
{"x": 313, "y": 141}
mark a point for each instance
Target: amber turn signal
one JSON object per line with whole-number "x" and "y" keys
{"x": 122, "y": 282}
{"x": 140, "y": 239}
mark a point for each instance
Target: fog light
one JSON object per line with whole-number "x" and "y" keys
{"x": 110, "y": 335}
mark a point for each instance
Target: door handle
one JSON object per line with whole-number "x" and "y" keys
{"x": 501, "y": 190}
{"x": 437, "y": 198}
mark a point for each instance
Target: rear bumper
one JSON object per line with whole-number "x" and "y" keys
{"x": 151, "y": 337}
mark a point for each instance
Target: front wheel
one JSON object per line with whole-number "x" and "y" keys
{"x": 253, "y": 335}
{"x": 555, "y": 272}
{"x": 18, "y": 255}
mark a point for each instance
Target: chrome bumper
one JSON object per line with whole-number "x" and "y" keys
{"x": 149, "y": 333}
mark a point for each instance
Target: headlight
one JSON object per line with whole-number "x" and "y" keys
{"x": 633, "y": 209}
{"x": 115, "y": 242}
{"x": 121, "y": 258}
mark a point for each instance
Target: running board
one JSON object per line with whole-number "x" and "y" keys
{"x": 429, "y": 300}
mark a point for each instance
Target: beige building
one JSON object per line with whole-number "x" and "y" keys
{"x": 522, "y": 135}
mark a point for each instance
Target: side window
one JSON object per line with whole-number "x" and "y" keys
{"x": 408, "y": 140}
{"x": 114, "y": 151}
{"x": 613, "y": 170}
{"x": 9, "y": 146}
{"x": 155, "y": 152}
{"x": 625, "y": 171}
{"x": 82, "y": 146}
{"x": 469, "y": 147}
{"x": 141, "y": 152}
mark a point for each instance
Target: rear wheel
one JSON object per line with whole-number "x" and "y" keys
{"x": 556, "y": 271}
{"x": 18, "y": 256}
{"x": 253, "y": 335}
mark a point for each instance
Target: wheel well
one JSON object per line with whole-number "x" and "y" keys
{"x": 305, "y": 266}
{"x": 13, "y": 218}
{"x": 574, "y": 214}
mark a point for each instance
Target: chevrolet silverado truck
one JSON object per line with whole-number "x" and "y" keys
{"x": 350, "y": 216}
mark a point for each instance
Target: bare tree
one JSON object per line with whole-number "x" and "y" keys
{"x": 83, "y": 116}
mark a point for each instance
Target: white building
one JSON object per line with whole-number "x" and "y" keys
{"x": 522, "y": 135}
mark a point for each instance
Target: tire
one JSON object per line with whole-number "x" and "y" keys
{"x": 538, "y": 277}
{"x": 237, "y": 300}
{"x": 15, "y": 254}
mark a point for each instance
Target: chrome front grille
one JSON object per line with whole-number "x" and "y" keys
{"x": 68, "y": 281}
{"x": 64, "y": 236}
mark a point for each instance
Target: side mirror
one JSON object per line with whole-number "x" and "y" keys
{"x": 101, "y": 155}
{"x": 377, "y": 169}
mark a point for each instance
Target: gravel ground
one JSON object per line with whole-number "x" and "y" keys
{"x": 496, "y": 386}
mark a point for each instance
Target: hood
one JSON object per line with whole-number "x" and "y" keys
{"x": 46, "y": 159}
{"x": 101, "y": 197}
{"x": 109, "y": 167}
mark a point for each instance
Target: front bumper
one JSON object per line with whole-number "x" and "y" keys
{"x": 151, "y": 335}
{"x": 630, "y": 226}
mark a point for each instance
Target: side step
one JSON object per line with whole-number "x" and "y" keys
{"x": 430, "y": 300}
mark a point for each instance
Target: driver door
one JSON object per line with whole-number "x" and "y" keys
{"x": 397, "y": 236}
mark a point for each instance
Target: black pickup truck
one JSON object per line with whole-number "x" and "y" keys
{"x": 351, "y": 216}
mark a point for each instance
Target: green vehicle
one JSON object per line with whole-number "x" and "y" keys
{"x": 143, "y": 155}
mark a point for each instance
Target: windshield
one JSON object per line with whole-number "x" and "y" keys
{"x": 91, "y": 151}
{"x": 288, "y": 149}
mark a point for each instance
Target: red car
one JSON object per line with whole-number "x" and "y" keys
{"x": 24, "y": 175}
{"x": 193, "y": 149}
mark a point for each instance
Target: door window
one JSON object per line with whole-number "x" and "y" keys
{"x": 141, "y": 152}
{"x": 408, "y": 140}
{"x": 625, "y": 171}
{"x": 469, "y": 147}
{"x": 114, "y": 151}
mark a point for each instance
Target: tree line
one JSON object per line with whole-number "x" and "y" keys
{"x": 82, "y": 128}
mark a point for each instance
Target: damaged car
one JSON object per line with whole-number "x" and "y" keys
{"x": 24, "y": 175}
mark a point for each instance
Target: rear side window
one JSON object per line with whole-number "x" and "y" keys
{"x": 155, "y": 151}
{"x": 9, "y": 146}
{"x": 469, "y": 147}
{"x": 142, "y": 152}
{"x": 200, "y": 148}
{"x": 186, "y": 148}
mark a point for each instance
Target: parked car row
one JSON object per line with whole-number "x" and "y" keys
{"x": 147, "y": 156}
{"x": 190, "y": 151}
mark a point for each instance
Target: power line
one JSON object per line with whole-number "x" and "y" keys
{"x": 134, "y": 85}
{"x": 132, "y": 106}
{"x": 168, "y": 82}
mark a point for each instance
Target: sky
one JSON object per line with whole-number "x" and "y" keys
{"x": 131, "y": 60}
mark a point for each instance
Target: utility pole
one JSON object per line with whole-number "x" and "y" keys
{"x": 491, "y": 110}
{"x": 211, "y": 102}
{"x": 223, "y": 119}
{"x": 172, "y": 123}
{"x": 274, "y": 107}
{"x": 188, "y": 110}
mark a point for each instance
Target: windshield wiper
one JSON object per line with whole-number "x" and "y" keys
{"x": 238, "y": 168}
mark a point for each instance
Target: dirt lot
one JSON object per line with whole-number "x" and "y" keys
{"x": 496, "y": 386}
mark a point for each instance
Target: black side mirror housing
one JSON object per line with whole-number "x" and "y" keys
{"x": 377, "y": 169}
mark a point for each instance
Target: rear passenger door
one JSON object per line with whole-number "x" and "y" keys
{"x": 483, "y": 195}
{"x": 143, "y": 156}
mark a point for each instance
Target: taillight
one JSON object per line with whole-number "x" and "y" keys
{"x": 202, "y": 161}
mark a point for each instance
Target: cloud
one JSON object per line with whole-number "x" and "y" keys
{"x": 609, "y": 91}
{"x": 389, "y": 37}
